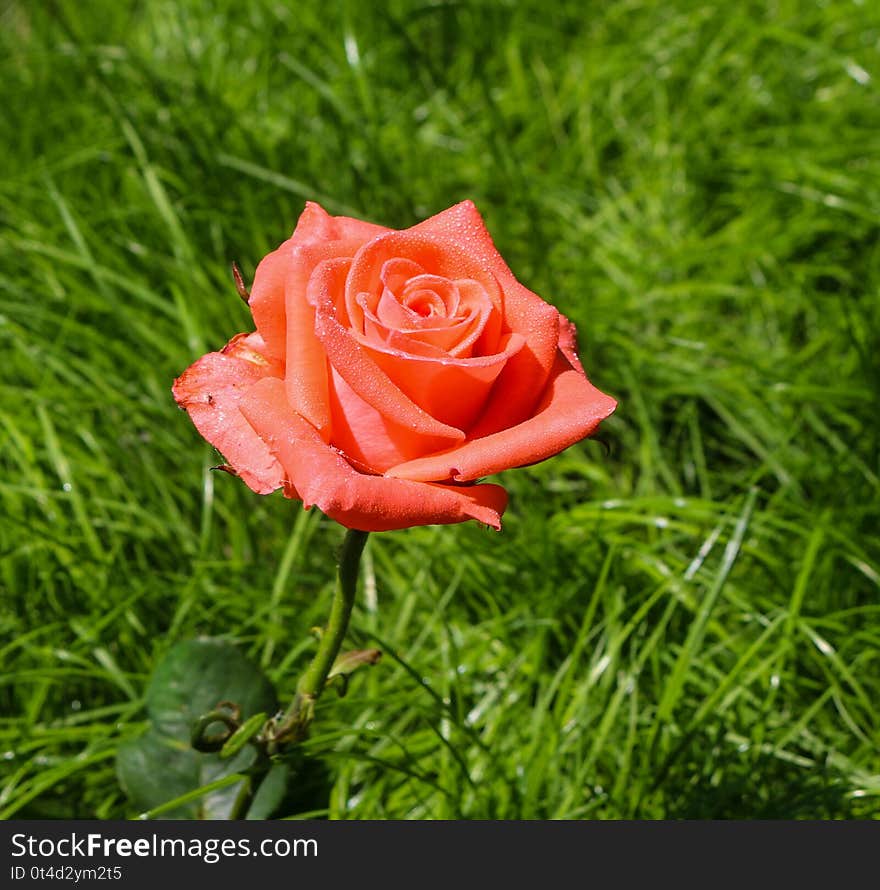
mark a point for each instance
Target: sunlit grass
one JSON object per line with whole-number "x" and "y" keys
{"x": 686, "y": 626}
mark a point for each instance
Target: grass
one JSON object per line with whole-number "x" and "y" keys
{"x": 684, "y": 626}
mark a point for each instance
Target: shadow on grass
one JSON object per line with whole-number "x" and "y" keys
{"x": 762, "y": 787}
{"x": 308, "y": 791}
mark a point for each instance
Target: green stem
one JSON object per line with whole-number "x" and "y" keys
{"x": 243, "y": 800}
{"x": 294, "y": 725}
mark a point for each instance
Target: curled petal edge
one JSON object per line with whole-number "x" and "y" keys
{"x": 210, "y": 391}
{"x": 323, "y": 478}
{"x": 569, "y": 411}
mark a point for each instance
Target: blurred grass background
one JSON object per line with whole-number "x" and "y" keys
{"x": 685, "y": 627}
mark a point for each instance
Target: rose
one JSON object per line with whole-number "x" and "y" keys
{"x": 389, "y": 370}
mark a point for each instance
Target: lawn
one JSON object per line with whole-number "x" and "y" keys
{"x": 680, "y": 618}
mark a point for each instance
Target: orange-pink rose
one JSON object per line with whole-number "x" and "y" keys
{"x": 389, "y": 371}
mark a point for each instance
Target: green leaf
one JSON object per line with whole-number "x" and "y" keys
{"x": 299, "y": 783}
{"x": 198, "y": 674}
{"x": 271, "y": 792}
{"x": 155, "y": 769}
{"x": 161, "y": 766}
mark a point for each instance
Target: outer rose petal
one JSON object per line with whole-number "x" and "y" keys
{"x": 568, "y": 343}
{"x": 267, "y": 299}
{"x": 570, "y": 410}
{"x": 210, "y": 390}
{"x": 526, "y": 374}
{"x": 315, "y": 226}
{"x": 369, "y": 503}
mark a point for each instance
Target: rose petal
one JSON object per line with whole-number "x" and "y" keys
{"x": 435, "y": 257}
{"x": 307, "y": 371}
{"x": 370, "y": 441}
{"x": 397, "y": 271}
{"x": 439, "y": 295}
{"x": 315, "y": 226}
{"x": 483, "y": 338}
{"x": 357, "y": 368}
{"x": 525, "y": 312}
{"x": 369, "y": 503}
{"x": 570, "y": 410}
{"x": 267, "y": 299}
{"x": 455, "y": 338}
{"x": 394, "y": 275}
{"x": 568, "y": 342}
{"x": 453, "y": 341}
{"x": 211, "y": 389}
{"x": 395, "y": 325}
{"x": 381, "y": 338}
{"x": 452, "y": 390}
